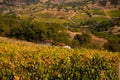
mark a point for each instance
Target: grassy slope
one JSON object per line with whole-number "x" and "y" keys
{"x": 114, "y": 13}
{"x": 25, "y": 60}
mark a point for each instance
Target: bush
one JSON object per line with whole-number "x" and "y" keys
{"x": 83, "y": 39}
{"x": 113, "y": 45}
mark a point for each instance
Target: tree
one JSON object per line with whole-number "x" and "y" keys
{"x": 114, "y": 2}
{"x": 93, "y": 1}
{"x": 83, "y": 39}
{"x": 113, "y": 45}
{"x": 103, "y": 2}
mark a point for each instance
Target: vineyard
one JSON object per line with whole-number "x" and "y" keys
{"x": 21, "y": 60}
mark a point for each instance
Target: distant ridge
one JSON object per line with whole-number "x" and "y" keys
{"x": 28, "y": 2}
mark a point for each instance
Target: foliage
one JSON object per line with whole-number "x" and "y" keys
{"x": 114, "y": 2}
{"x": 103, "y": 2}
{"x": 26, "y": 29}
{"x": 29, "y": 61}
{"x": 113, "y": 45}
{"x": 105, "y": 35}
{"x": 83, "y": 40}
{"x": 105, "y": 25}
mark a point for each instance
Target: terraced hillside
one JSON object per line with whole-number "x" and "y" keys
{"x": 20, "y": 60}
{"x": 64, "y": 16}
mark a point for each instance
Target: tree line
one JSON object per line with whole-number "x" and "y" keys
{"x": 26, "y": 29}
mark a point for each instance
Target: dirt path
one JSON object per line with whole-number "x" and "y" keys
{"x": 107, "y": 14}
{"x": 71, "y": 16}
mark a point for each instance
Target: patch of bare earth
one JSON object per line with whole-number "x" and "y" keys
{"x": 97, "y": 40}
{"x": 72, "y": 34}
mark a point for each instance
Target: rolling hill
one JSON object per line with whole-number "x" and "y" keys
{"x": 72, "y": 17}
{"x": 28, "y": 2}
{"x": 88, "y": 26}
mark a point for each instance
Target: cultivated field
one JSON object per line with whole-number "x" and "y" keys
{"x": 20, "y": 61}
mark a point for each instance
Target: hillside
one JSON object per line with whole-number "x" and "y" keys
{"x": 21, "y": 60}
{"x": 97, "y": 3}
{"x": 59, "y": 39}
{"x": 39, "y": 22}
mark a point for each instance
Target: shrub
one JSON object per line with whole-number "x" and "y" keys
{"x": 113, "y": 45}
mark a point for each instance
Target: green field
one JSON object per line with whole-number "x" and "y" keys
{"x": 114, "y": 13}
{"x": 100, "y": 18}
{"x": 80, "y": 18}
{"x": 97, "y": 12}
